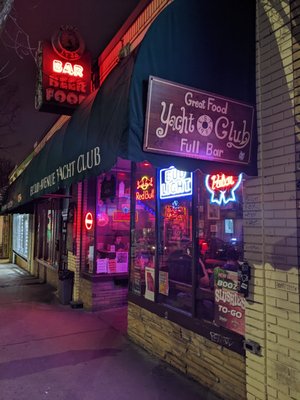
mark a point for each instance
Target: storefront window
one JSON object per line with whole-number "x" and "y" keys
{"x": 175, "y": 260}
{"x": 199, "y": 238}
{"x": 21, "y": 234}
{"x": 220, "y": 232}
{"x": 143, "y": 246}
{"x": 106, "y": 228}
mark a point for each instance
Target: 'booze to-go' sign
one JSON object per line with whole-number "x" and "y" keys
{"x": 191, "y": 123}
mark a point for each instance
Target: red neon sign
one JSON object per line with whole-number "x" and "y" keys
{"x": 63, "y": 83}
{"x": 144, "y": 183}
{"x": 145, "y": 188}
{"x": 89, "y": 221}
{"x": 67, "y": 68}
{"x": 219, "y": 181}
{"x": 178, "y": 214}
{"x": 222, "y": 187}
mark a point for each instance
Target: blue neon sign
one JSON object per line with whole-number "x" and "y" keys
{"x": 175, "y": 183}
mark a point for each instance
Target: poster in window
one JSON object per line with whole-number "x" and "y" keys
{"x": 164, "y": 283}
{"x": 102, "y": 265}
{"x": 122, "y": 261}
{"x": 112, "y": 266}
{"x": 149, "y": 277}
{"x": 229, "y": 226}
{"x": 213, "y": 211}
{"x": 229, "y": 303}
{"x": 136, "y": 282}
{"x": 214, "y": 228}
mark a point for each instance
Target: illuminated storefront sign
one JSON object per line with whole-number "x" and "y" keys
{"x": 222, "y": 187}
{"x": 187, "y": 122}
{"x": 175, "y": 183}
{"x": 145, "y": 188}
{"x": 89, "y": 221}
{"x": 64, "y": 78}
{"x": 67, "y": 68}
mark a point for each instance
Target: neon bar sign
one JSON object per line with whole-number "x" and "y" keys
{"x": 175, "y": 183}
{"x": 89, "y": 221}
{"x": 145, "y": 188}
{"x": 67, "y": 68}
{"x": 222, "y": 187}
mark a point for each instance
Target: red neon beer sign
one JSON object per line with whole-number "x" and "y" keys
{"x": 89, "y": 221}
{"x": 63, "y": 83}
{"x": 67, "y": 68}
{"x": 145, "y": 188}
{"x": 222, "y": 187}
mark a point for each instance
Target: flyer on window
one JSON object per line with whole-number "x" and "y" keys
{"x": 149, "y": 277}
{"x": 164, "y": 283}
{"x": 229, "y": 303}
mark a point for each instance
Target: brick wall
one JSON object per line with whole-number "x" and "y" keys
{"x": 270, "y": 214}
{"x": 73, "y": 265}
{"x": 213, "y": 366}
{"x": 86, "y": 294}
{"x": 101, "y": 295}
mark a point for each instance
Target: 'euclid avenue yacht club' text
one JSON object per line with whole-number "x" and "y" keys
{"x": 84, "y": 162}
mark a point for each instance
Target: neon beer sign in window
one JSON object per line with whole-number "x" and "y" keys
{"x": 145, "y": 188}
{"x": 89, "y": 221}
{"x": 175, "y": 183}
{"x": 222, "y": 187}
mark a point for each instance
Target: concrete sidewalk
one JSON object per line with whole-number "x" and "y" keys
{"x": 50, "y": 351}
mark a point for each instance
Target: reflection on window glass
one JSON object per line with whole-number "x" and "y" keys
{"x": 143, "y": 254}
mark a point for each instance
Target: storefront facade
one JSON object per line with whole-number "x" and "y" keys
{"x": 204, "y": 249}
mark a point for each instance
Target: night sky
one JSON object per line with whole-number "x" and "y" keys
{"x": 34, "y": 20}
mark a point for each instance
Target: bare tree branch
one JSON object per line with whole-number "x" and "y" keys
{"x": 17, "y": 39}
{"x": 5, "y": 9}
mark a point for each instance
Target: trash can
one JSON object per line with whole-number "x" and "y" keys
{"x": 65, "y": 286}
